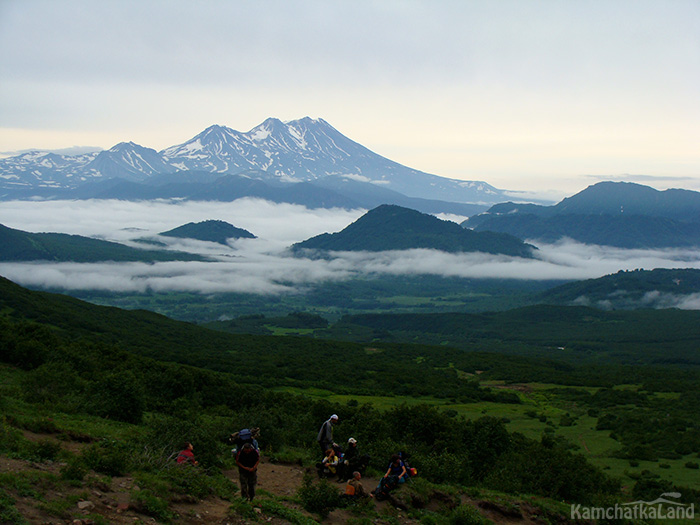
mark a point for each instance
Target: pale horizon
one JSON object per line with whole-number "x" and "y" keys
{"x": 543, "y": 97}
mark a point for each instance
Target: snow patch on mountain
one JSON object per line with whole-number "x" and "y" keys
{"x": 303, "y": 150}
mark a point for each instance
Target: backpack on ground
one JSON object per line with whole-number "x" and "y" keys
{"x": 386, "y": 485}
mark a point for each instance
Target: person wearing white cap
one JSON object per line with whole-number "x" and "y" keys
{"x": 350, "y": 458}
{"x": 325, "y": 434}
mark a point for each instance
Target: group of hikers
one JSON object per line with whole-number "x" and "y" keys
{"x": 347, "y": 465}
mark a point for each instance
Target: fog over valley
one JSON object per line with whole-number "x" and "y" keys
{"x": 265, "y": 265}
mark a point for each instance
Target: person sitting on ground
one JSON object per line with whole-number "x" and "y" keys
{"x": 397, "y": 468}
{"x": 354, "y": 488}
{"x": 352, "y": 461}
{"x": 247, "y": 460}
{"x": 186, "y": 455}
{"x": 329, "y": 464}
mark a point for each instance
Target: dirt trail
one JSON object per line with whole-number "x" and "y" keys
{"x": 111, "y": 498}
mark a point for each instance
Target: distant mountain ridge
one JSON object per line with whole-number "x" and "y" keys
{"x": 617, "y": 214}
{"x": 390, "y": 227}
{"x": 274, "y": 152}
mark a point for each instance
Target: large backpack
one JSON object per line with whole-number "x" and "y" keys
{"x": 385, "y": 486}
{"x": 245, "y": 436}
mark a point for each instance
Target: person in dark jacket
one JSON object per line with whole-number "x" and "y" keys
{"x": 247, "y": 460}
{"x": 325, "y": 434}
{"x": 352, "y": 461}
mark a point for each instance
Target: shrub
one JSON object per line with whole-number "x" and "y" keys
{"x": 53, "y": 383}
{"x": 108, "y": 457}
{"x": 119, "y": 396}
{"x": 11, "y": 439}
{"x": 8, "y": 513}
{"x": 145, "y": 502}
{"x": 289, "y": 515}
{"x": 566, "y": 421}
{"x": 320, "y": 498}
{"x": 45, "y": 449}
{"x": 691, "y": 464}
{"x": 166, "y": 435}
{"x": 243, "y": 509}
{"x": 74, "y": 470}
{"x": 446, "y": 468}
{"x": 467, "y": 515}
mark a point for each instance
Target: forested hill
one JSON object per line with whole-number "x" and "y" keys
{"x": 258, "y": 360}
{"x": 659, "y": 288}
{"x": 390, "y": 227}
{"x": 213, "y": 231}
{"x": 608, "y": 213}
{"x": 18, "y": 245}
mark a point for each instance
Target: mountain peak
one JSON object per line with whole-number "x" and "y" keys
{"x": 303, "y": 150}
{"x": 210, "y": 230}
{"x": 123, "y": 146}
{"x": 392, "y": 227}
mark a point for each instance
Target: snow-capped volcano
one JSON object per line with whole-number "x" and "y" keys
{"x": 303, "y": 150}
{"x": 128, "y": 161}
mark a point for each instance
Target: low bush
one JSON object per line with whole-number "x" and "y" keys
{"x": 467, "y": 515}
{"x": 145, "y": 502}
{"x": 320, "y": 498}
{"x": 108, "y": 457}
{"x": 8, "y": 512}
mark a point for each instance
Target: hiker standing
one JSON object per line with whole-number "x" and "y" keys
{"x": 247, "y": 460}
{"x": 325, "y": 434}
{"x": 186, "y": 456}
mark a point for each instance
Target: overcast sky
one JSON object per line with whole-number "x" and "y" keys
{"x": 523, "y": 94}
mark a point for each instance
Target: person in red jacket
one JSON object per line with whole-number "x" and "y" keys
{"x": 247, "y": 460}
{"x": 186, "y": 456}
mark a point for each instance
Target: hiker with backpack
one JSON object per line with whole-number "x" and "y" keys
{"x": 325, "y": 434}
{"x": 397, "y": 468}
{"x": 243, "y": 436}
{"x": 247, "y": 460}
{"x": 354, "y": 488}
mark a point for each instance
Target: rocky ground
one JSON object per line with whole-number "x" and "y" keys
{"x": 102, "y": 499}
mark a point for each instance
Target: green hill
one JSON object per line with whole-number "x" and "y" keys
{"x": 212, "y": 230}
{"x": 88, "y": 403}
{"x": 390, "y": 227}
{"x": 17, "y": 245}
{"x": 664, "y": 288}
{"x": 609, "y": 213}
{"x": 252, "y": 359}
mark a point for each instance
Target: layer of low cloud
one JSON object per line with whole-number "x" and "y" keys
{"x": 265, "y": 265}
{"x": 121, "y": 221}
